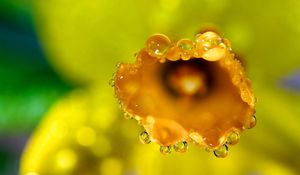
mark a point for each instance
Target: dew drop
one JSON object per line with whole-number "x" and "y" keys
{"x": 252, "y": 122}
{"x": 112, "y": 82}
{"x": 233, "y": 138}
{"x": 118, "y": 64}
{"x": 127, "y": 115}
{"x": 157, "y": 45}
{"x": 181, "y": 147}
{"x": 165, "y": 150}
{"x": 221, "y": 152}
{"x": 120, "y": 103}
{"x": 186, "y": 46}
{"x": 145, "y": 138}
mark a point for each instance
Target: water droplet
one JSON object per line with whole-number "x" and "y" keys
{"x": 145, "y": 138}
{"x": 233, "y": 138}
{"x": 252, "y": 122}
{"x": 221, "y": 152}
{"x": 119, "y": 102}
{"x": 112, "y": 82}
{"x": 118, "y": 64}
{"x": 165, "y": 150}
{"x": 185, "y": 45}
{"x": 181, "y": 147}
{"x": 127, "y": 115}
{"x": 157, "y": 45}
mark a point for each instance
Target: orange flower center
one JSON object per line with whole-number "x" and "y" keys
{"x": 187, "y": 91}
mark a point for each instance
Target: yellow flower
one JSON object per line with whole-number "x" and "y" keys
{"x": 83, "y": 41}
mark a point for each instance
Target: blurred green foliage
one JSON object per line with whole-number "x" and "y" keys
{"x": 28, "y": 86}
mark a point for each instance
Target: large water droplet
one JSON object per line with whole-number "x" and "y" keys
{"x": 165, "y": 149}
{"x": 233, "y": 138}
{"x": 181, "y": 147}
{"x": 145, "y": 138}
{"x": 221, "y": 152}
{"x": 157, "y": 45}
{"x": 208, "y": 40}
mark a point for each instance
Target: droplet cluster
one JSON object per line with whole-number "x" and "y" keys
{"x": 209, "y": 46}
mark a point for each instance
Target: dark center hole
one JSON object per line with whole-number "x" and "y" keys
{"x": 192, "y": 78}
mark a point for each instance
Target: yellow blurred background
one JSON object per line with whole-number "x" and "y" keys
{"x": 73, "y": 124}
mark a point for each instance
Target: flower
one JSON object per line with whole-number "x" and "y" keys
{"x": 84, "y": 44}
{"x": 187, "y": 91}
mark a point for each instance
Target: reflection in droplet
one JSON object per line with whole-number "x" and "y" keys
{"x": 186, "y": 46}
{"x": 221, "y": 152}
{"x": 208, "y": 40}
{"x": 181, "y": 147}
{"x": 165, "y": 149}
{"x": 145, "y": 138}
